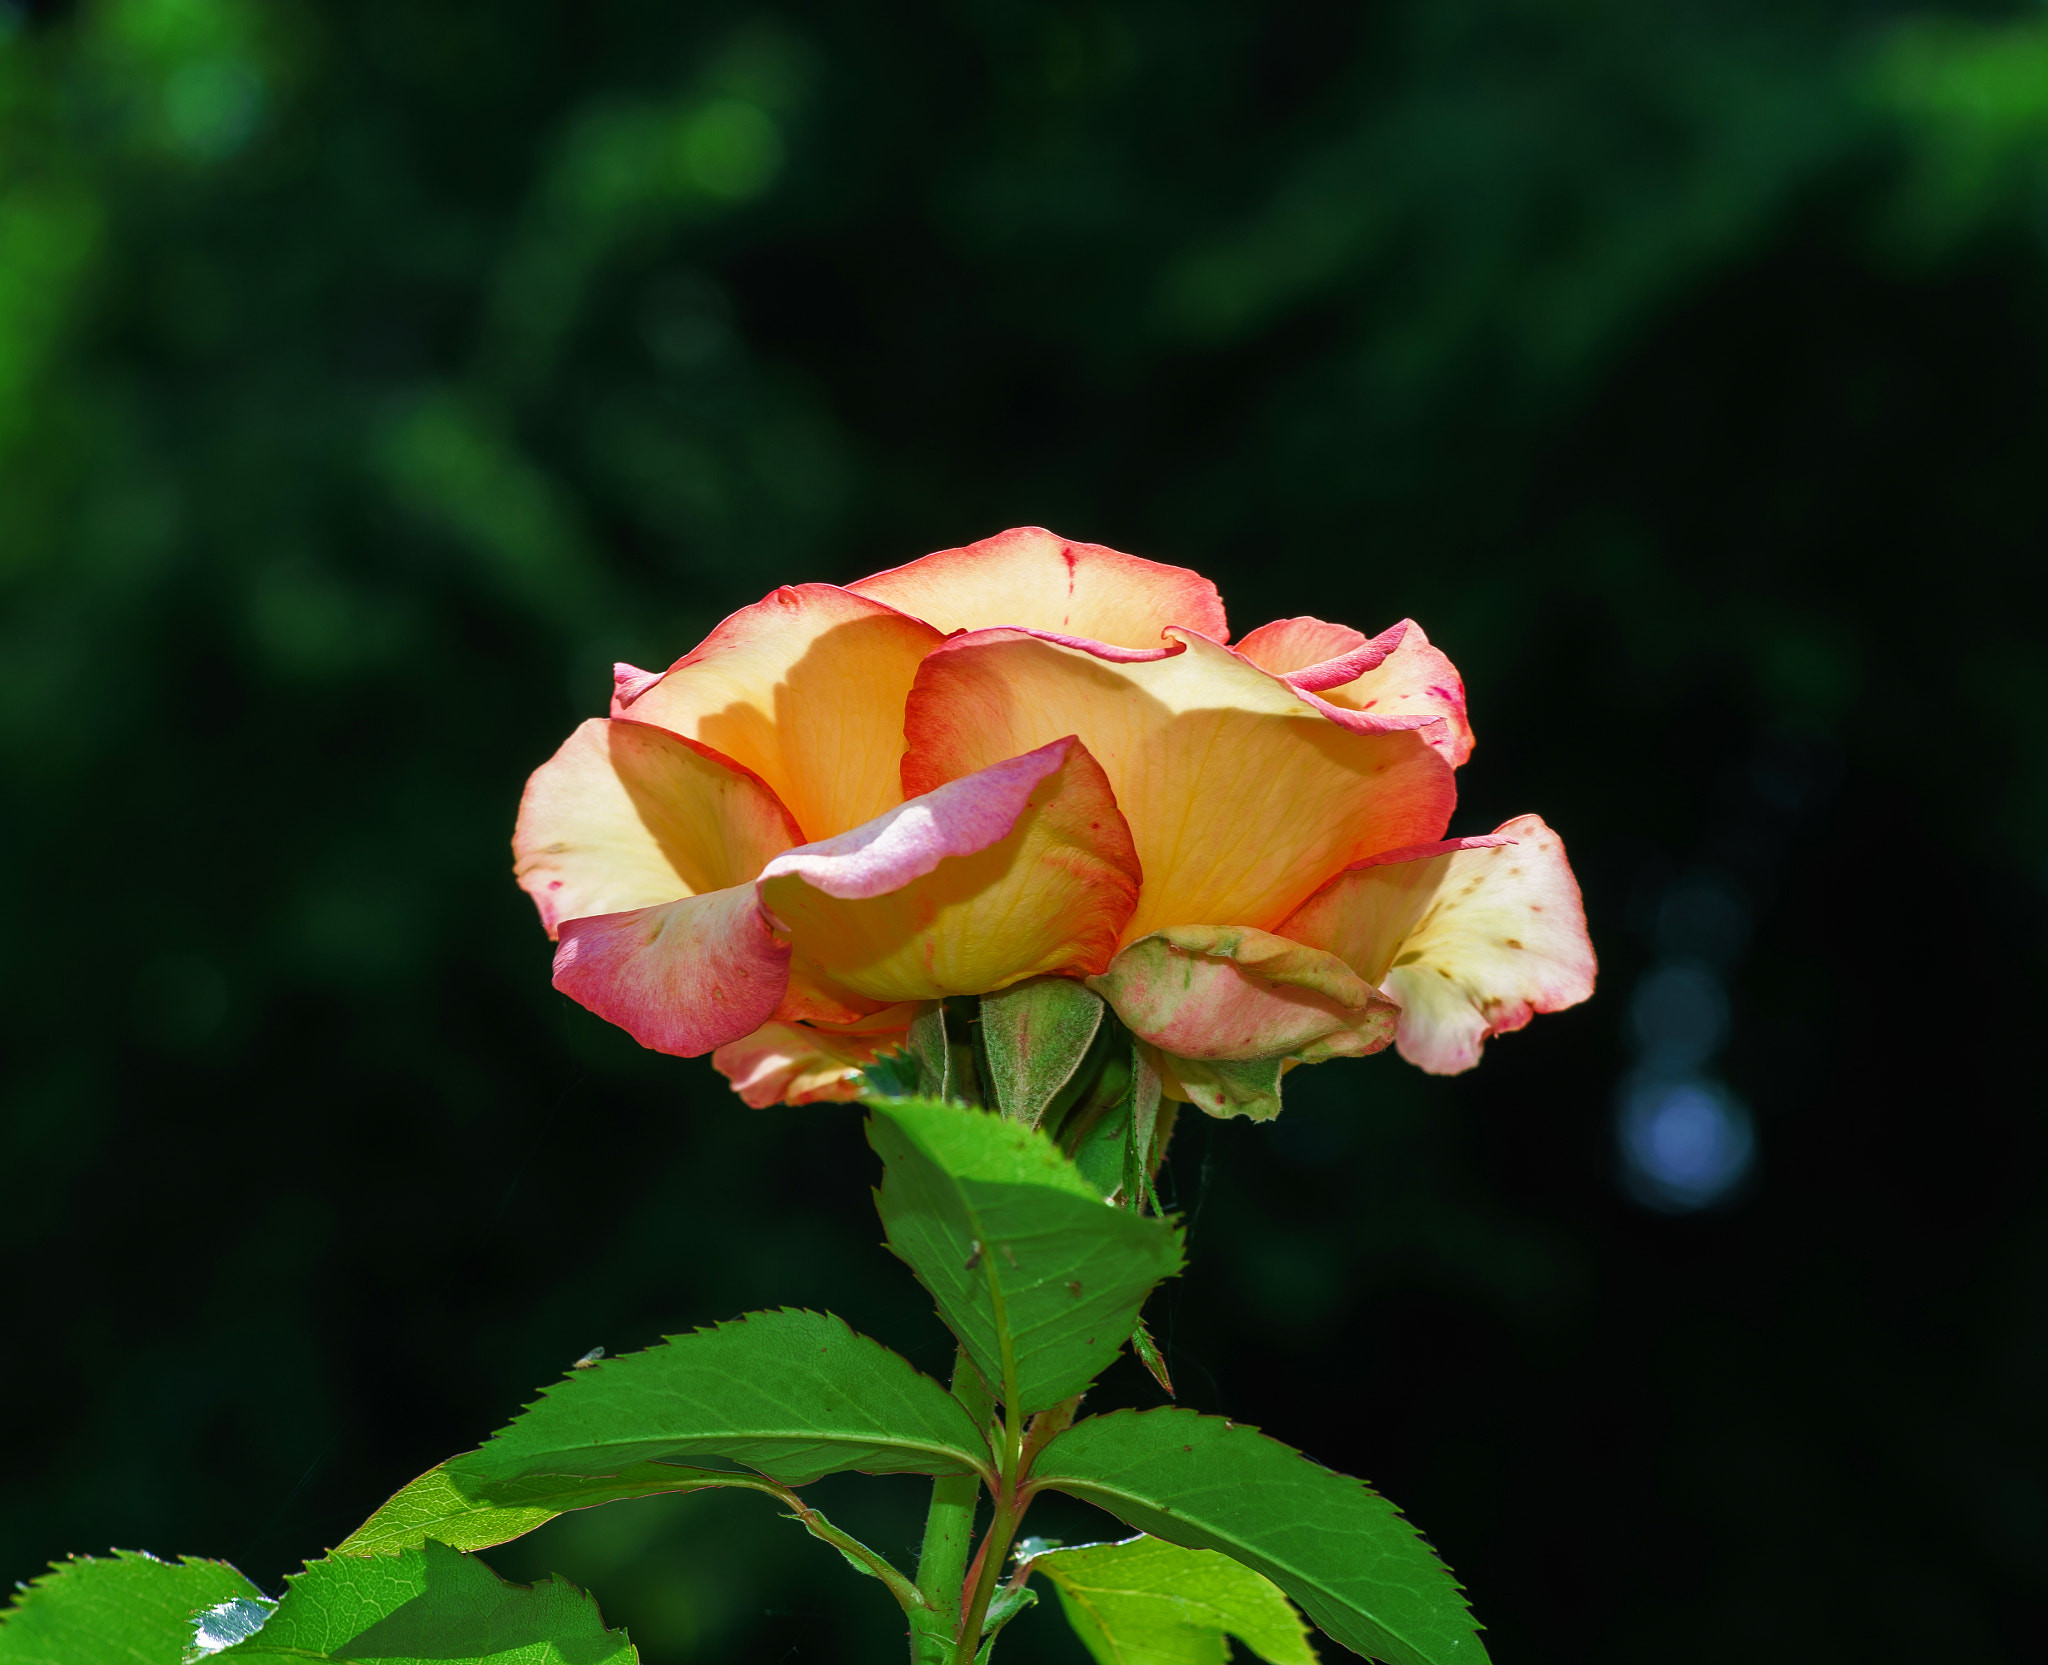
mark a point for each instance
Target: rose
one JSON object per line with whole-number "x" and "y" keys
{"x": 1032, "y": 758}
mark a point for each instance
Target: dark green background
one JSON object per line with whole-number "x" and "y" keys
{"x": 373, "y": 374}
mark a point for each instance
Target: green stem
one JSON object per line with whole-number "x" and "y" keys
{"x": 995, "y": 1548}
{"x": 949, "y": 1522}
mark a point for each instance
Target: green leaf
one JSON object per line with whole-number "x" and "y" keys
{"x": 1332, "y": 1543}
{"x": 1036, "y": 1034}
{"x": 467, "y": 1514}
{"x": 433, "y": 1603}
{"x": 130, "y": 1610}
{"x": 1146, "y": 1602}
{"x": 793, "y": 1394}
{"x": 987, "y": 1211}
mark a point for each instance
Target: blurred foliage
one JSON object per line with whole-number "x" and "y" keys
{"x": 372, "y": 374}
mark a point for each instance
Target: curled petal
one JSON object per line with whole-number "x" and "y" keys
{"x": 1209, "y": 992}
{"x": 1242, "y": 793}
{"x": 1396, "y": 673}
{"x": 1287, "y": 646}
{"x": 625, "y": 816}
{"x": 805, "y": 689}
{"x": 683, "y": 977}
{"x": 1472, "y": 937}
{"x": 1020, "y": 869}
{"x": 794, "y": 1063}
{"x": 1036, "y": 580}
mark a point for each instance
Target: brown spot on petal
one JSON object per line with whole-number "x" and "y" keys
{"x": 1509, "y": 942}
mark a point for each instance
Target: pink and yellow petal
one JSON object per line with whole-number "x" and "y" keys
{"x": 1242, "y": 793}
{"x": 1021, "y": 869}
{"x": 1396, "y": 673}
{"x": 625, "y": 816}
{"x": 1233, "y": 993}
{"x": 1472, "y": 938}
{"x": 805, "y": 689}
{"x": 794, "y": 1063}
{"x": 1036, "y": 580}
{"x": 684, "y": 977}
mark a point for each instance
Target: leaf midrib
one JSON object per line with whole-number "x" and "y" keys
{"x": 803, "y": 1437}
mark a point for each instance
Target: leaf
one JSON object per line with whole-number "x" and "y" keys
{"x": 467, "y": 1514}
{"x": 982, "y": 1208}
{"x": 130, "y": 1610}
{"x": 793, "y": 1394}
{"x": 433, "y": 1603}
{"x": 1036, "y": 1034}
{"x": 1337, "y": 1547}
{"x": 1146, "y": 1602}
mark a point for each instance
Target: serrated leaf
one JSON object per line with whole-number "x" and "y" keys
{"x": 1036, "y": 1034}
{"x": 792, "y": 1394}
{"x": 466, "y": 1514}
{"x": 131, "y": 1609}
{"x": 1148, "y": 1602}
{"x": 1337, "y": 1547}
{"x": 970, "y": 1199}
{"x": 433, "y": 1603}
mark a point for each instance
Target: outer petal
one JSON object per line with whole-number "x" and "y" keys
{"x": 1032, "y": 578}
{"x": 1394, "y": 673}
{"x": 625, "y": 816}
{"x": 1242, "y": 793}
{"x": 793, "y": 1063}
{"x": 1473, "y": 937}
{"x": 684, "y": 977}
{"x": 1020, "y": 869}
{"x": 806, "y": 690}
{"x": 1209, "y": 992}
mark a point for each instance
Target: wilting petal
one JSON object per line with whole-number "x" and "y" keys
{"x": 1204, "y": 991}
{"x": 1473, "y": 937}
{"x": 625, "y": 816}
{"x": 1022, "y": 868}
{"x": 683, "y": 977}
{"x": 806, "y": 690}
{"x": 1223, "y": 1086}
{"x": 793, "y": 1063}
{"x": 1396, "y": 673}
{"x": 1242, "y": 793}
{"x": 1036, "y": 580}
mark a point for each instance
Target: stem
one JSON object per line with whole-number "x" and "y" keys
{"x": 949, "y": 1522}
{"x": 995, "y": 1548}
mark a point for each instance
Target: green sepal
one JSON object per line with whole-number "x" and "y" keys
{"x": 468, "y": 1514}
{"x": 431, "y": 1604}
{"x": 1337, "y": 1547}
{"x": 1148, "y": 1602}
{"x": 988, "y": 1213}
{"x": 128, "y": 1609}
{"x": 1149, "y": 1356}
{"x": 1036, "y": 1035}
{"x": 794, "y": 1395}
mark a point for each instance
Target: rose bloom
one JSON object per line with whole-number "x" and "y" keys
{"x": 1036, "y": 758}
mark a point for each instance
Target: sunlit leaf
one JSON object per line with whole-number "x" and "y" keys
{"x": 1147, "y": 1602}
{"x": 1332, "y": 1543}
{"x": 130, "y": 1609}
{"x": 986, "y": 1211}
{"x": 433, "y": 1603}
